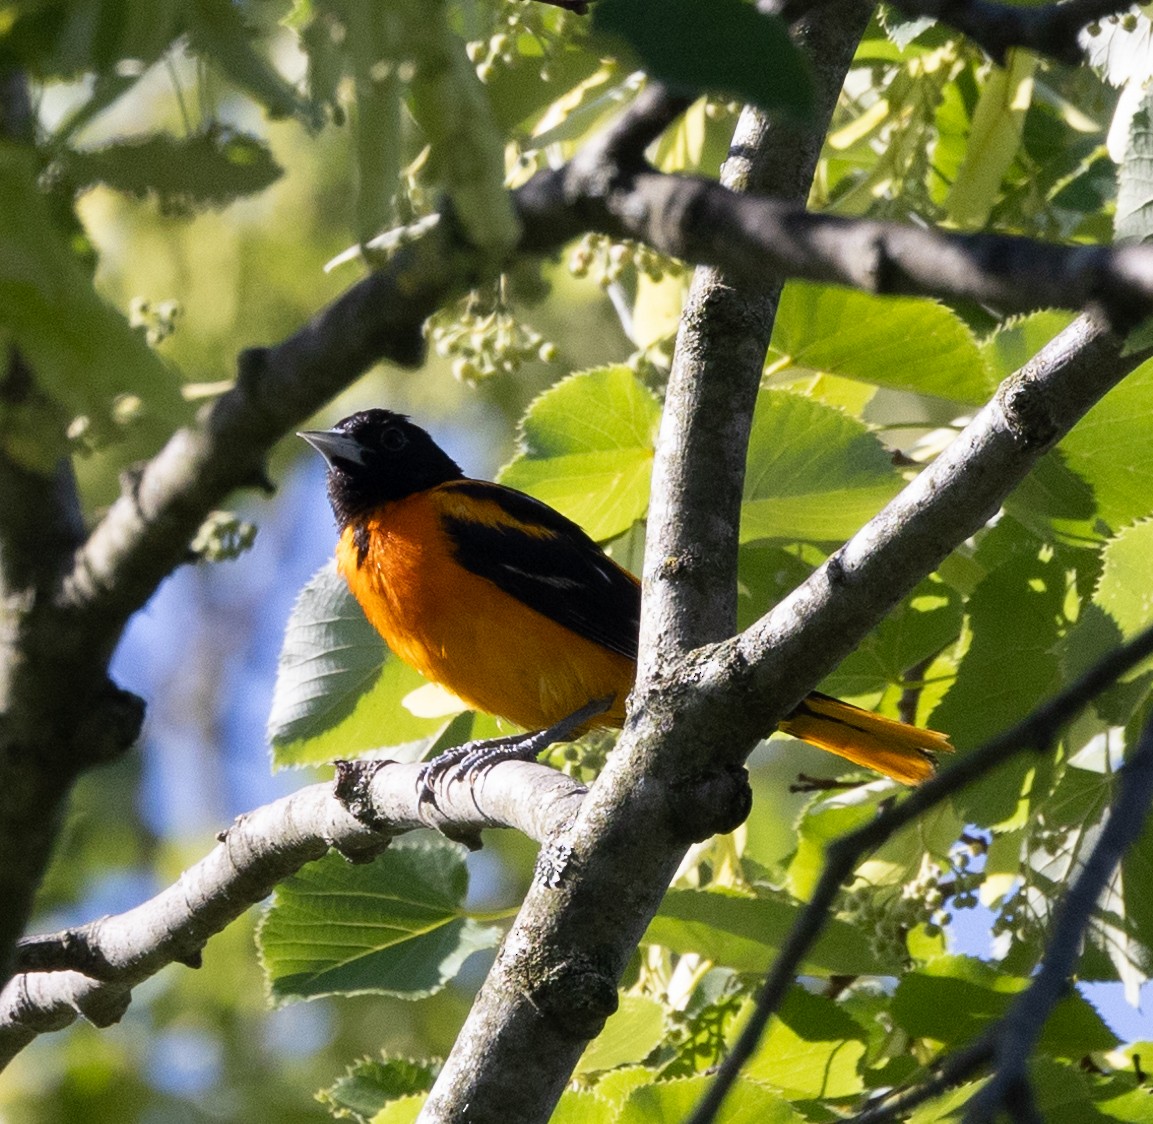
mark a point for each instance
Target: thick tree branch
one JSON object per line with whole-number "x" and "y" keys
{"x": 1036, "y": 733}
{"x": 699, "y": 471}
{"x": 555, "y": 977}
{"x": 40, "y": 528}
{"x": 91, "y": 970}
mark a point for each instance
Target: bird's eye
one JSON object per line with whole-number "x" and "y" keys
{"x": 392, "y": 440}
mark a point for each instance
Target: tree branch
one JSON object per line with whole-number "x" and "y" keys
{"x": 699, "y": 470}
{"x": 40, "y": 528}
{"x": 1047, "y": 29}
{"x": 91, "y": 970}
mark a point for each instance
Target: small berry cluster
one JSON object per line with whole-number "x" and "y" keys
{"x": 485, "y": 339}
{"x": 599, "y": 257}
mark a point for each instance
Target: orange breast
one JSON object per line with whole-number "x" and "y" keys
{"x": 463, "y": 632}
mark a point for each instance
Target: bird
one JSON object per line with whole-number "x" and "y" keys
{"x": 512, "y": 607}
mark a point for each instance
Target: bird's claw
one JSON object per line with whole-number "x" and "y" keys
{"x": 467, "y": 761}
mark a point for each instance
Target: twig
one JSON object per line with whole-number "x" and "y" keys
{"x": 950, "y": 1071}
{"x": 1034, "y": 733}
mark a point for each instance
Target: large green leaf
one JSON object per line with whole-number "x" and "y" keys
{"x": 582, "y": 1106}
{"x": 811, "y": 1049}
{"x": 723, "y": 47}
{"x": 1055, "y": 503}
{"x": 745, "y": 932}
{"x": 209, "y": 169}
{"x": 954, "y": 998}
{"x": 1018, "y": 339}
{"x": 82, "y": 351}
{"x": 916, "y": 630}
{"x": 671, "y": 1102}
{"x": 1133, "y": 219}
{"x": 901, "y": 342}
{"x": 1112, "y": 449}
{"x": 630, "y": 1034}
{"x": 994, "y": 138}
{"x": 370, "y": 1083}
{"x": 339, "y": 690}
{"x": 814, "y": 474}
{"x": 395, "y": 926}
{"x": 1125, "y": 589}
{"x": 1011, "y": 665}
{"x": 587, "y": 449}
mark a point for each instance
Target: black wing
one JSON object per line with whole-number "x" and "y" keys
{"x": 544, "y": 560}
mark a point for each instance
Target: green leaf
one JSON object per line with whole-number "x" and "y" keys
{"x": 814, "y": 474}
{"x": 767, "y": 573}
{"x": 404, "y": 1110}
{"x": 616, "y": 1085}
{"x": 900, "y": 342}
{"x": 1011, "y": 665}
{"x": 916, "y": 630}
{"x": 396, "y": 926}
{"x": 1018, "y": 339}
{"x": 582, "y": 1106}
{"x": 82, "y": 352}
{"x": 183, "y": 173}
{"x": 745, "y": 933}
{"x": 822, "y": 822}
{"x": 1125, "y": 588}
{"x": 670, "y": 1102}
{"x": 587, "y": 449}
{"x": 1133, "y": 220}
{"x": 811, "y": 1050}
{"x": 369, "y": 1084}
{"x": 723, "y": 47}
{"x": 994, "y": 138}
{"x": 630, "y": 1035}
{"x": 339, "y": 690}
{"x": 953, "y": 999}
{"x": 1055, "y": 503}
{"x": 1112, "y": 449}
{"x": 61, "y": 40}
{"x": 217, "y": 29}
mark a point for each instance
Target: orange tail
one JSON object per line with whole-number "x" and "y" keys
{"x": 905, "y": 753}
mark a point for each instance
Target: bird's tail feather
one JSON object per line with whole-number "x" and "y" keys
{"x": 905, "y": 753}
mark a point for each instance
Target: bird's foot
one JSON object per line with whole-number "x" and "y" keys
{"x": 465, "y": 762}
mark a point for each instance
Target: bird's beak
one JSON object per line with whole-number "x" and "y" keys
{"x": 334, "y": 445}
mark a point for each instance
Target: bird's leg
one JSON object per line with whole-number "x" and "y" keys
{"x": 464, "y": 762}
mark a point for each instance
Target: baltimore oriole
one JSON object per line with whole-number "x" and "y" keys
{"x": 511, "y": 606}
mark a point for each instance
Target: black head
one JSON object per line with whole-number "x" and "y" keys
{"x": 377, "y": 456}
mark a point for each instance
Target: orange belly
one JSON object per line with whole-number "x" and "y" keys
{"x": 463, "y": 632}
